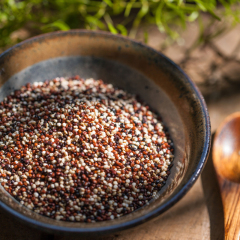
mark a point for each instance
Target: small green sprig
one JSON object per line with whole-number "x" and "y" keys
{"x": 40, "y": 16}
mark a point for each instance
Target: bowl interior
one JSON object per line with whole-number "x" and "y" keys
{"x": 130, "y": 66}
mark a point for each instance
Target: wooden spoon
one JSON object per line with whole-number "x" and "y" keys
{"x": 226, "y": 159}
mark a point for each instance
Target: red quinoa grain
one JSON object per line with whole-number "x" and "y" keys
{"x": 81, "y": 150}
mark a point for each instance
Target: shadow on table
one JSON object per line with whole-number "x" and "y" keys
{"x": 213, "y": 200}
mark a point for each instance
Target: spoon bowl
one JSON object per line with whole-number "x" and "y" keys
{"x": 226, "y": 159}
{"x": 226, "y": 148}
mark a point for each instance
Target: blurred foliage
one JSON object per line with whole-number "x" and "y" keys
{"x": 38, "y": 16}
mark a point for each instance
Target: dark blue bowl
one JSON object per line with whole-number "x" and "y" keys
{"x": 138, "y": 69}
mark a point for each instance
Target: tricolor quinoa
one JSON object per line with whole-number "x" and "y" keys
{"x": 81, "y": 150}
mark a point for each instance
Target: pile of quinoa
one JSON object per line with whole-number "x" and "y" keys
{"x": 81, "y": 150}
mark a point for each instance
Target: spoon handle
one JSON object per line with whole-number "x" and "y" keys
{"x": 230, "y": 193}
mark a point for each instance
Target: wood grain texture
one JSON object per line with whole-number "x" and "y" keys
{"x": 231, "y": 204}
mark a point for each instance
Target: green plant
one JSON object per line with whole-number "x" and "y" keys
{"x": 39, "y": 16}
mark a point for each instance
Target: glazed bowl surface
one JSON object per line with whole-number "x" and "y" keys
{"x": 131, "y": 66}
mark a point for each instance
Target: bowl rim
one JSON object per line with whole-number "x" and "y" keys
{"x": 166, "y": 205}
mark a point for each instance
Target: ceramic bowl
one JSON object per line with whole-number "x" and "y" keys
{"x": 136, "y": 68}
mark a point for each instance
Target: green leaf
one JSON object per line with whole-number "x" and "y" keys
{"x": 128, "y": 8}
{"x": 111, "y": 28}
{"x": 3, "y": 17}
{"x": 102, "y": 10}
{"x": 108, "y": 2}
{"x": 143, "y": 11}
{"x": 214, "y": 15}
{"x": 201, "y": 6}
{"x": 180, "y": 2}
{"x": 95, "y": 21}
{"x": 158, "y": 16}
{"x": 193, "y": 16}
{"x": 178, "y": 12}
{"x": 59, "y": 24}
{"x": 145, "y": 37}
{"x": 122, "y": 29}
